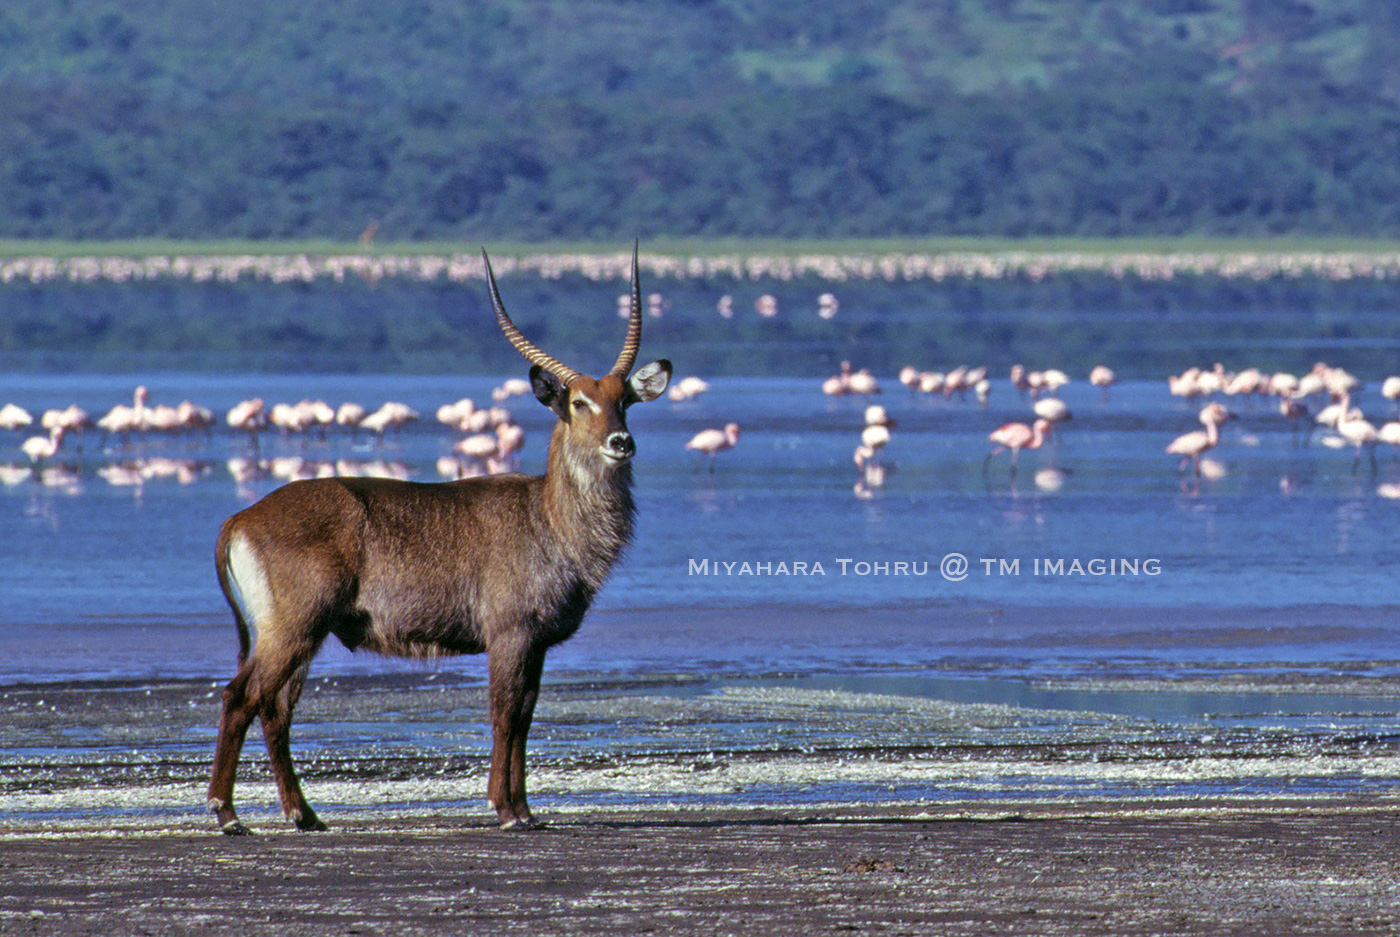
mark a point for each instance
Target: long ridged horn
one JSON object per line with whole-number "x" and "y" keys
{"x": 633, "y": 341}
{"x": 566, "y": 375}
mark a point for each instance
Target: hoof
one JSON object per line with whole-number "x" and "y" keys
{"x": 307, "y": 822}
{"x": 235, "y": 828}
{"x": 517, "y": 825}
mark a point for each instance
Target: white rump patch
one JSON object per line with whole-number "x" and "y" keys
{"x": 250, "y": 587}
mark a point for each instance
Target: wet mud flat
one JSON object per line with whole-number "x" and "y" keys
{"x": 1142, "y": 868}
{"x": 887, "y": 802}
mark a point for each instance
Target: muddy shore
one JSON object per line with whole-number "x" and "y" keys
{"x": 1325, "y": 867}
{"x": 1202, "y": 798}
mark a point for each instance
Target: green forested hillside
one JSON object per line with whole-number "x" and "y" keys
{"x": 543, "y": 119}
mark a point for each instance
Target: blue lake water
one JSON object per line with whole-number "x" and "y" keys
{"x": 775, "y": 635}
{"x": 1096, "y": 542}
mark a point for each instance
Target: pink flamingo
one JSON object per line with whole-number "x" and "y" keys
{"x": 873, "y": 438}
{"x": 349, "y": 415}
{"x": 122, "y": 420}
{"x": 73, "y": 419}
{"x": 863, "y": 382}
{"x": 1390, "y": 388}
{"x": 195, "y": 417}
{"x": 1358, "y": 431}
{"x": 287, "y": 417}
{"x": 1052, "y": 409}
{"x": 838, "y": 384}
{"x": 687, "y": 388}
{"x": 248, "y": 417}
{"x": 39, "y": 448}
{"x": 713, "y": 441}
{"x": 483, "y": 450}
{"x": 390, "y": 415}
{"x": 513, "y": 387}
{"x": 909, "y": 377}
{"x": 1017, "y": 436}
{"x": 1103, "y": 378}
{"x": 512, "y": 440}
{"x": 13, "y": 416}
{"x": 1190, "y": 446}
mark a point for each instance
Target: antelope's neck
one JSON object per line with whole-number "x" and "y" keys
{"x": 589, "y": 509}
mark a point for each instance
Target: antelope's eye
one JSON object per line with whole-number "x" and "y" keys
{"x": 580, "y": 405}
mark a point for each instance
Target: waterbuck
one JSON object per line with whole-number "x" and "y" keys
{"x": 504, "y": 564}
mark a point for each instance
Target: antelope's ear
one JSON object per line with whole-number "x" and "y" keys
{"x": 649, "y": 382}
{"x": 550, "y": 392}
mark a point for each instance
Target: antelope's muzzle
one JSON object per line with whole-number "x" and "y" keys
{"x": 620, "y": 446}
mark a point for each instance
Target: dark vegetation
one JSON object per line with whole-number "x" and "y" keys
{"x": 483, "y": 121}
{"x": 547, "y": 119}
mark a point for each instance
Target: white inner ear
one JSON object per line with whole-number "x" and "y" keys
{"x": 586, "y": 399}
{"x": 650, "y": 382}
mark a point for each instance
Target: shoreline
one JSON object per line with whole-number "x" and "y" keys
{"x": 378, "y": 749}
{"x": 623, "y": 642}
{"x": 1162, "y": 867}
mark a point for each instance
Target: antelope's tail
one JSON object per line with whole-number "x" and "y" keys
{"x": 232, "y": 594}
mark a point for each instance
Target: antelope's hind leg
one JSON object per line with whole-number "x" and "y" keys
{"x": 267, "y": 685}
{"x": 233, "y": 729}
{"x": 277, "y": 730}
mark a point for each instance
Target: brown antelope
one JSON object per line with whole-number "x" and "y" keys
{"x": 505, "y": 564}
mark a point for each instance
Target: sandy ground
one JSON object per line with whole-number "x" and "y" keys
{"x": 1122, "y": 868}
{"x": 960, "y": 816}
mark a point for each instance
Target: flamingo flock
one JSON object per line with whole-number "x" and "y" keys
{"x": 1320, "y": 401}
{"x": 138, "y": 430}
{"x": 492, "y": 443}
{"x": 859, "y": 383}
{"x": 1327, "y": 388}
{"x": 891, "y": 267}
{"x": 1216, "y": 380}
{"x": 957, "y": 382}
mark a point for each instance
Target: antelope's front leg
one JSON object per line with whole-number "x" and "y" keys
{"x": 515, "y": 682}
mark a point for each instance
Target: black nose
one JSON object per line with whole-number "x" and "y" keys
{"x": 621, "y": 445}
